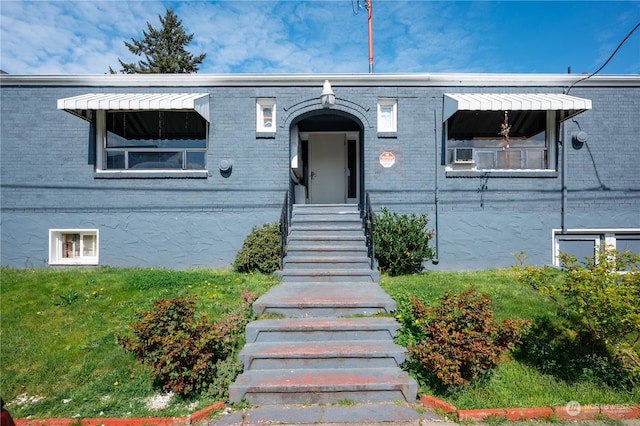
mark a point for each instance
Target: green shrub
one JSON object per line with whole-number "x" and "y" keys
{"x": 458, "y": 339}
{"x": 402, "y": 242}
{"x": 185, "y": 352}
{"x": 553, "y": 348}
{"x": 600, "y": 297}
{"x": 260, "y": 251}
{"x": 226, "y": 372}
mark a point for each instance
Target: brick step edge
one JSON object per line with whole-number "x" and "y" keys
{"x": 561, "y": 412}
{"x": 193, "y": 418}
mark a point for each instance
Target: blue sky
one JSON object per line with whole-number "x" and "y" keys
{"x": 326, "y": 36}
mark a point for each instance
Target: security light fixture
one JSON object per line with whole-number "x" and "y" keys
{"x": 327, "y": 97}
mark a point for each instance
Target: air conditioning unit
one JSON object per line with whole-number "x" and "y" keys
{"x": 463, "y": 156}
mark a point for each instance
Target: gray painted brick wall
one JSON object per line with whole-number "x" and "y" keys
{"x": 48, "y": 179}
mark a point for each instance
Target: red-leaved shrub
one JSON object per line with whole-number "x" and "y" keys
{"x": 460, "y": 338}
{"x": 185, "y": 351}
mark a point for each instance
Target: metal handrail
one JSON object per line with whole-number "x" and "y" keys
{"x": 369, "y": 230}
{"x": 285, "y": 219}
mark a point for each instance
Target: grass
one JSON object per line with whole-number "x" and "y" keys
{"x": 58, "y": 338}
{"x": 58, "y": 335}
{"x": 517, "y": 382}
{"x": 510, "y": 300}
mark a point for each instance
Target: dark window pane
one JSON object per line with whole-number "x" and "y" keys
{"x": 485, "y": 159}
{"x": 624, "y": 243}
{"x": 195, "y": 160}
{"x": 467, "y": 125}
{"x": 115, "y": 160}
{"x": 481, "y": 130}
{"x": 151, "y": 133}
{"x": 628, "y": 243}
{"x": 536, "y": 160}
{"x": 155, "y": 160}
{"x": 156, "y": 129}
{"x": 579, "y": 248}
{"x": 509, "y": 159}
{"x": 351, "y": 160}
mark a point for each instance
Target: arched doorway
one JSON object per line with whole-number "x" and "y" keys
{"x": 326, "y": 158}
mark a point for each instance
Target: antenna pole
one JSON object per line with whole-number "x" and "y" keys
{"x": 368, "y": 6}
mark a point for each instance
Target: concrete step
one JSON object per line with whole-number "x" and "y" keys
{"x": 324, "y": 263}
{"x": 363, "y": 275}
{"x": 320, "y": 215}
{"x": 331, "y": 222}
{"x": 325, "y": 299}
{"x": 325, "y": 208}
{"x": 321, "y": 354}
{"x": 317, "y": 228}
{"x": 292, "y": 386}
{"x": 327, "y": 222}
{"x": 327, "y": 250}
{"x": 309, "y": 242}
{"x": 321, "y": 329}
{"x": 315, "y": 355}
{"x": 326, "y": 232}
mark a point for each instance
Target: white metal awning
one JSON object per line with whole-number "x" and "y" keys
{"x": 81, "y": 105}
{"x": 567, "y": 105}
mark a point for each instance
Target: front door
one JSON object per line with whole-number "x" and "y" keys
{"x": 327, "y": 164}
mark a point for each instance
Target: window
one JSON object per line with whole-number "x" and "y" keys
{"x": 476, "y": 140}
{"x": 584, "y": 243}
{"x": 152, "y": 140}
{"x": 387, "y": 115}
{"x": 265, "y": 115}
{"x": 73, "y": 246}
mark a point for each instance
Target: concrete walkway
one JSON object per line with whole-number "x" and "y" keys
{"x": 389, "y": 413}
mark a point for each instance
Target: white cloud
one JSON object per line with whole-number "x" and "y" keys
{"x": 65, "y": 37}
{"x": 265, "y": 36}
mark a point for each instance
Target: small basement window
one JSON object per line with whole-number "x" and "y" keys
{"x": 73, "y": 246}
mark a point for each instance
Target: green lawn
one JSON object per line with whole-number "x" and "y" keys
{"x": 58, "y": 335}
{"x": 518, "y": 381}
{"x": 58, "y": 338}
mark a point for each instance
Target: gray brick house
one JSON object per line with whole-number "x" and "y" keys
{"x": 175, "y": 170}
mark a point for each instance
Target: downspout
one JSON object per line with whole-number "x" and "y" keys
{"x": 435, "y": 259}
{"x": 565, "y": 163}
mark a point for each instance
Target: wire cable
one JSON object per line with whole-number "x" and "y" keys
{"x": 356, "y": 8}
{"x": 606, "y": 62}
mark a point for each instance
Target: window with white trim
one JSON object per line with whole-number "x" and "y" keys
{"x": 152, "y": 140}
{"x": 73, "y": 246}
{"x": 265, "y": 115}
{"x": 501, "y": 140}
{"x": 387, "y": 115}
{"x": 585, "y": 243}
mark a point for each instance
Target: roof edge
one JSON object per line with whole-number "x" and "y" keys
{"x": 418, "y": 79}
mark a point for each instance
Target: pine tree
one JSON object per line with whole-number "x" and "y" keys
{"x": 163, "y": 49}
